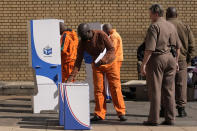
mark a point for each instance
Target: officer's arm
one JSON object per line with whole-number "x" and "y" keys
{"x": 177, "y": 55}
{"x": 178, "y": 46}
{"x": 191, "y": 44}
{"x": 147, "y": 55}
{"x": 150, "y": 43}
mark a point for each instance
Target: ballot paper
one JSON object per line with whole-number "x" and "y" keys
{"x": 100, "y": 56}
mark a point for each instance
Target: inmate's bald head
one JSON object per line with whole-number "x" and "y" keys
{"x": 84, "y": 31}
{"x": 107, "y": 28}
{"x": 171, "y": 12}
{"x": 62, "y": 28}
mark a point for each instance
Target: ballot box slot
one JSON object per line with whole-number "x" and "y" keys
{"x": 37, "y": 67}
{"x": 53, "y": 66}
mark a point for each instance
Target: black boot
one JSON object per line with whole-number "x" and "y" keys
{"x": 161, "y": 112}
{"x": 147, "y": 123}
{"x": 181, "y": 112}
{"x": 96, "y": 118}
{"x": 169, "y": 123}
{"x": 122, "y": 118}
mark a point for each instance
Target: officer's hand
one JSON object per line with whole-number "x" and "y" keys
{"x": 98, "y": 64}
{"x": 177, "y": 67}
{"x": 143, "y": 70}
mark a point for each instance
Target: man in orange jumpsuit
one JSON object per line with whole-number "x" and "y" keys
{"x": 69, "y": 43}
{"x": 117, "y": 41}
{"x": 95, "y": 42}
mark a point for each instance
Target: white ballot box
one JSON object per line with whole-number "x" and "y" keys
{"x": 76, "y": 106}
{"x": 45, "y": 56}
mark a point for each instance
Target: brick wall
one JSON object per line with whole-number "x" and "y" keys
{"x": 129, "y": 17}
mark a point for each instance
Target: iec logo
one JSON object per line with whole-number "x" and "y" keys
{"x": 47, "y": 50}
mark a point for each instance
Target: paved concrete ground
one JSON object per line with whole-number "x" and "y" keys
{"x": 16, "y": 115}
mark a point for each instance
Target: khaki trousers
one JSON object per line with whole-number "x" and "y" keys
{"x": 161, "y": 71}
{"x": 181, "y": 84}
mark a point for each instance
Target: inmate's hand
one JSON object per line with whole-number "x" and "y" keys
{"x": 70, "y": 79}
{"x": 72, "y": 75}
{"x": 143, "y": 69}
{"x": 98, "y": 64}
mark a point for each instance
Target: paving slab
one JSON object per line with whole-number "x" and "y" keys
{"x": 15, "y": 115}
{"x": 190, "y": 128}
{"x": 6, "y": 128}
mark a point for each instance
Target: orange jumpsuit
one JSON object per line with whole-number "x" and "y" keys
{"x": 69, "y": 43}
{"x": 117, "y": 40}
{"x": 94, "y": 47}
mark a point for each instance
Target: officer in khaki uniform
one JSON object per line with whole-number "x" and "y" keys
{"x": 187, "y": 39}
{"x": 160, "y": 66}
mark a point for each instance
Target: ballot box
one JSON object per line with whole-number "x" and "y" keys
{"x": 76, "y": 106}
{"x": 45, "y": 58}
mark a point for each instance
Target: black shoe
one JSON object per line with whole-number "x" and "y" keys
{"x": 147, "y": 123}
{"x": 181, "y": 112}
{"x": 169, "y": 123}
{"x": 122, "y": 118}
{"x": 96, "y": 118}
{"x": 161, "y": 112}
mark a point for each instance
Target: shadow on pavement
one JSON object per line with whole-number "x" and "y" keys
{"x": 128, "y": 115}
{"x": 15, "y": 105}
{"x": 115, "y": 122}
{"x": 16, "y": 111}
{"x": 51, "y": 123}
{"x": 20, "y": 99}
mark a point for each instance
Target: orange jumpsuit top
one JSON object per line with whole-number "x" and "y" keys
{"x": 69, "y": 46}
{"x": 117, "y": 40}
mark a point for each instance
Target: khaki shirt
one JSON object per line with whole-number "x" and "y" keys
{"x": 160, "y": 36}
{"x": 187, "y": 38}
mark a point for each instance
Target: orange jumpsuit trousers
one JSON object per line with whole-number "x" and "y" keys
{"x": 67, "y": 68}
{"x": 113, "y": 76}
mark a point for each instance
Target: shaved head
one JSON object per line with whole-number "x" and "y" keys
{"x": 107, "y": 28}
{"x": 84, "y": 31}
{"x": 84, "y": 27}
{"x": 62, "y": 28}
{"x": 171, "y": 12}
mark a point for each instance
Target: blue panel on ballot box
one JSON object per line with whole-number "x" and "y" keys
{"x": 41, "y": 67}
